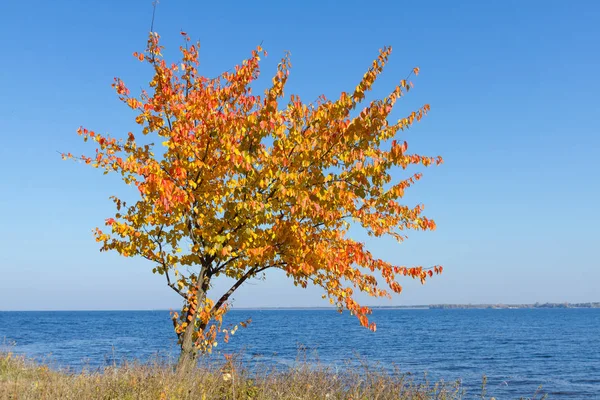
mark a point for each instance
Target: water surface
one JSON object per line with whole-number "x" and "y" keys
{"x": 518, "y": 350}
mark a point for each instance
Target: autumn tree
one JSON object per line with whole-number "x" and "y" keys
{"x": 241, "y": 183}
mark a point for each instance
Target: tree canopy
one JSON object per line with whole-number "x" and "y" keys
{"x": 240, "y": 183}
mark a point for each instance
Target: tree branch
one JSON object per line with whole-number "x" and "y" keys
{"x": 251, "y": 272}
{"x": 169, "y": 284}
{"x": 220, "y": 267}
{"x": 162, "y": 262}
{"x": 172, "y": 286}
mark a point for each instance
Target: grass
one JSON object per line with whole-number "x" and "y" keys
{"x": 24, "y": 379}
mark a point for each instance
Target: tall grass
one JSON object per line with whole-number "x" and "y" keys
{"x": 24, "y": 379}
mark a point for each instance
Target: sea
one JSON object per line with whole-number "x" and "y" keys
{"x": 522, "y": 352}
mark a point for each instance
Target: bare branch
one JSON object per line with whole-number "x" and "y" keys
{"x": 169, "y": 284}
{"x": 172, "y": 286}
{"x": 220, "y": 267}
{"x": 154, "y": 3}
{"x": 251, "y": 272}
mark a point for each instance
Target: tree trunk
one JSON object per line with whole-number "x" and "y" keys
{"x": 187, "y": 355}
{"x": 188, "y": 352}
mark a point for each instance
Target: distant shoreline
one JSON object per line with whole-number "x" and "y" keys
{"x": 397, "y": 307}
{"x": 446, "y": 306}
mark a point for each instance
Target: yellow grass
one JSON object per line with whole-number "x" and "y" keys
{"x": 24, "y": 379}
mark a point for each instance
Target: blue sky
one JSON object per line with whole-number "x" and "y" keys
{"x": 513, "y": 89}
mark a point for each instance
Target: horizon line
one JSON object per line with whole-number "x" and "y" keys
{"x": 420, "y": 306}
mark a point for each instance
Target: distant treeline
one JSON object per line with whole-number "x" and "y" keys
{"x": 448, "y": 306}
{"x": 501, "y": 306}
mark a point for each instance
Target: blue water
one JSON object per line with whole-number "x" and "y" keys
{"x": 518, "y": 350}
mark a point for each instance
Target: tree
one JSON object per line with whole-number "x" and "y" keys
{"x": 244, "y": 184}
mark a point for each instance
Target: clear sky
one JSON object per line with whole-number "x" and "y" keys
{"x": 513, "y": 87}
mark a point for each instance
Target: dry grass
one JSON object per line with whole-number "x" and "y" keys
{"x": 23, "y": 379}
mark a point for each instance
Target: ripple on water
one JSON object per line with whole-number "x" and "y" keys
{"x": 516, "y": 349}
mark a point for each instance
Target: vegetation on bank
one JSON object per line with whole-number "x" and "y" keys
{"x": 512, "y": 306}
{"x": 24, "y": 379}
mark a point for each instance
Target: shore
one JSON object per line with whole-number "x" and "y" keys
{"x": 23, "y": 379}
{"x": 446, "y": 306}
